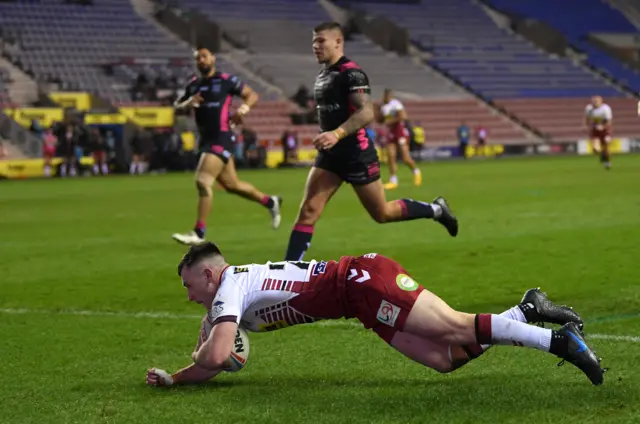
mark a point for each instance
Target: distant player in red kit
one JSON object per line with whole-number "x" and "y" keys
{"x": 598, "y": 118}
{"x": 395, "y": 118}
{"x": 481, "y": 137}
{"x": 49, "y": 143}
{"x": 377, "y": 291}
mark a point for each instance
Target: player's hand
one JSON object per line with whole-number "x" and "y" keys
{"x": 326, "y": 140}
{"x": 159, "y": 378}
{"x": 235, "y": 120}
{"x": 196, "y": 100}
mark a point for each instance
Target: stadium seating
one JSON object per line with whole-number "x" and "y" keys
{"x": 4, "y": 87}
{"x": 70, "y": 43}
{"x": 587, "y": 16}
{"x": 466, "y": 43}
{"x": 440, "y": 118}
{"x": 280, "y": 36}
{"x": 11, "y": 151}
{"x": 563, "y": 119}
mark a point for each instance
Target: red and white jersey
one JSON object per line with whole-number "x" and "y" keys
{"x": 266, "y": 297}
{"x": 598, "y": 115}
{"x": 391, "y": 109}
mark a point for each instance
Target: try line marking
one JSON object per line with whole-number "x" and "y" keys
{"x": 171, "y": 315}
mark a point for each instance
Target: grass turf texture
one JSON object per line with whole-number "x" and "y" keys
{"x": 104, "y": 245}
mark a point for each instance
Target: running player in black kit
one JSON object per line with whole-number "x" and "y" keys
{"x": 211, "y": 96}
{"x": 346, "y": 154}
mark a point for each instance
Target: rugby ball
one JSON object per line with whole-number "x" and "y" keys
{"x": 240, "y": 352}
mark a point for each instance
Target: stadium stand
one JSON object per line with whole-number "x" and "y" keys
{"x": 4, "y": 91}
{"x": 280, "y": 38}
{"x": 467, "y": 44}
{"x": 440, "y": 118}
{"x": 74, "y": 44}
{"x": 11, "y": 151}
{"x": 563, "y": 119}
{"x": 587, "y": 16}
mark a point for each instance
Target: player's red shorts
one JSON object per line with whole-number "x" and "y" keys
{"x": 380, "y": 293}
{"x": 99, "y": 156}
{"x": 49, "y": 152}
{"x": 600, "y": 134}
{"x": 398, "y": 134}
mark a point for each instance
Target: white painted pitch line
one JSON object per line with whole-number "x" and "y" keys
{"x": 171, "y": 315}
{"x": 612, "y": 337}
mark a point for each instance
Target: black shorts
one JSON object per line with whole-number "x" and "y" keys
{"x": 222, "y": 146}
{"x": 359, "y": 170}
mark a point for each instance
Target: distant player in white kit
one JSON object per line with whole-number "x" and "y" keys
{"x": 395, "y": 118}
{"x": 375, "y": 290}
{"x": 598, "y": 118}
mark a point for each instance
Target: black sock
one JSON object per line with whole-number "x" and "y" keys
{"x": 299, "y": 242}
{"x": 268, "y": 201}
{"x": 414, "y": 209}
{"x": 200, "y": 229}
{"x": 559, "y": 344}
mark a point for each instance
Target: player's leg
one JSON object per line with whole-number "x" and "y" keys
{"x": 96, "y": 162}
{"x": 605, "y": 157}
{"x": 373, "y": 199}
{"x": 431, "y": 318}
{"x": 228, "y": 178}
{"x": 104, "y": 163}
{"x": 427, "y": 352}
{"x": 408, "y": 160}
{"x": 392, "y": 159}
{"x": 133, "y": 167}
{"x": 320, "y": 187}
{"x": 209, "y": 168}
{"x": 534, "y": 307}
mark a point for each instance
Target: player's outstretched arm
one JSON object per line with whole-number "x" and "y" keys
{"x": 214, "y": 353}
{"x": 193, "y": 374}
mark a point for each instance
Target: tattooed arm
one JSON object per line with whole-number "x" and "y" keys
{"x": 360, "y": 99}
{"x": 362, "y": 116}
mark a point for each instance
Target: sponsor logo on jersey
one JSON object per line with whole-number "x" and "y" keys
{"x": 218, "y": 307}
{"x": 319, "y": 268}
{"x": 370, "y": 255}
{"x": 406, "y": 283}
{"x": 388, "y": 313}
{"x": 240, "y": 269}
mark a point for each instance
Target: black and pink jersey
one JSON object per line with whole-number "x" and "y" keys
{"x": 266, "y": 297}
{"x": 333, "y": 86}
{"x": 217, "y": 91}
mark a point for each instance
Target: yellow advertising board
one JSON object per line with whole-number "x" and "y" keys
{"x": 79, "y": 101}
{"x": 105, "y": 119}
{"x": 31, "y": 168}
{"x": 44, "y": 115}
{"x": 149, "y": 117}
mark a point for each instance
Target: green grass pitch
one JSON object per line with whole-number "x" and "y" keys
{"x": 103, "y": 247}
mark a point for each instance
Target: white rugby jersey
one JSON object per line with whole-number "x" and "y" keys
{"x": 391, "y": 109}
{"x": 266, "y": 297}
{"x": 598, "y": 115}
